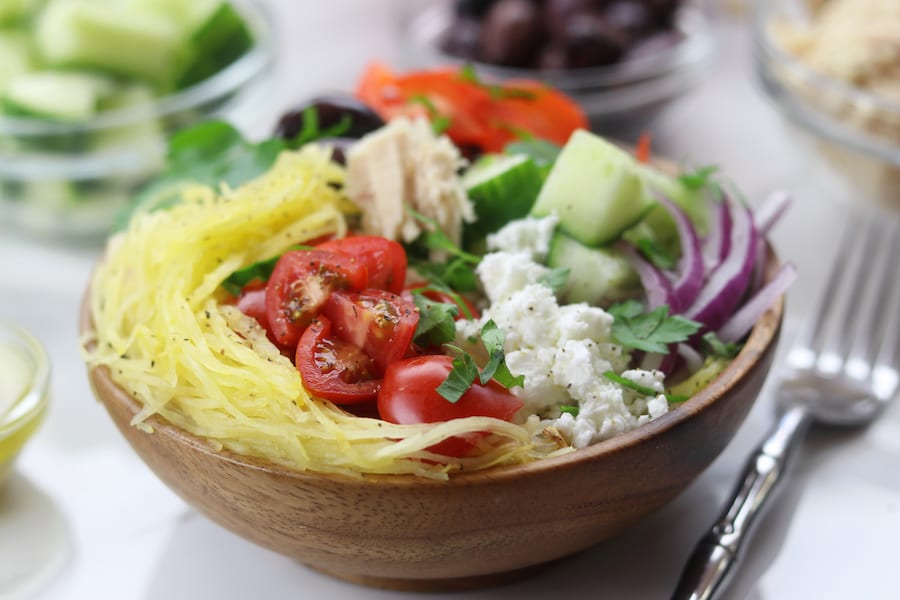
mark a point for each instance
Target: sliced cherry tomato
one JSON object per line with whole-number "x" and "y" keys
{"x": 333, "y": 369}
{"x": 301, "y": 283}
{"x": 467, "y": 310}
{"x": 408, "y": 395}
{"x": 378, "y": 322}
{"x": 385, "y": 259}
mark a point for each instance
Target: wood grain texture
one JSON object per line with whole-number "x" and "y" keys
{"x": 408, "y": 533}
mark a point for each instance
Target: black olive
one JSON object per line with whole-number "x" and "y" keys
{"x": 331, "y": 110}
{"x": 590, "y": 41}
{"x": 556, "y": 13}
{"x": 339, "y": 148}
{"x": 631, "y": 17}
{"x": 511, "y": 33}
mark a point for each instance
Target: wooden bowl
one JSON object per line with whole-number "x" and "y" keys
{"x": 479, "y": 528}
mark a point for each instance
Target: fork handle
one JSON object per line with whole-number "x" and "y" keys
{"x": 710, "y": 566}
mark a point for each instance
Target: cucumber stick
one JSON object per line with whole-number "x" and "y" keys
{"x": 598, "y": 276}
{"x": 596, "y": 189}
{"x": 56, "y": 95}
{"x": 15, "y": 56}
{"x": 218, "y": 40}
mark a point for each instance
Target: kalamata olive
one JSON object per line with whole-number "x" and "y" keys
{"x": 663, "y": 12}
{"x": 556, "y": 13}
{"x": 339, "y": 148}
{"x": 511, "y": 32}
{"x": 331, "y": 110}
{"x": 464, "y": 38}
{"x": 553, "y": 56}
{"x": 591, "y": 41}
{"x": 472, "y": 8}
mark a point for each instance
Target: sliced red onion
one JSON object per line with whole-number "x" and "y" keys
{"x": 716, "y": 244}
{"x": 725, "y": 286}
{"x": 691, "y": 273}
{"x": 743, "y": 320}
{"x": 771, "y": 211}
{"x": 657, "y": 287}
{"x": 693, "y": 360}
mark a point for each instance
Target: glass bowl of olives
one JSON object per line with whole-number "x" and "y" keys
{"x": 620, "y": 59}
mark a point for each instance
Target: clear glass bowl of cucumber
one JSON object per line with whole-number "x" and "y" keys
{"x": 90, "y": 90}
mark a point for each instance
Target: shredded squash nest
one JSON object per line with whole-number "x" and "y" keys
{"x": 164, "y": 328}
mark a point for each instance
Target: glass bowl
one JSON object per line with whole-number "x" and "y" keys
{"x": 856, "y": 131}
{"x": 24, "y": 391}
{"x": 69, "y": 180}
{"x": 612, "y": 96}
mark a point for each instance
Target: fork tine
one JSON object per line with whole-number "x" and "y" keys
{"x": 877, "y": 302}
{"x": 886, "y": 360}
{"x": 811, "y": 333}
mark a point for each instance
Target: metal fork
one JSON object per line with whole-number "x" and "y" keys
{"x": 842, "y": 370}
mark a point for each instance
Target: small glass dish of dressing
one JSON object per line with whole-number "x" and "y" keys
{"x": 24, "y": 391}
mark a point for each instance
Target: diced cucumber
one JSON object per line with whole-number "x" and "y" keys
{"x": 596, "y": 189}
{"x": 502, "y": 188}
{"x": 143, "y": 134}
{"x": 108, "y": 36}
{"x": 218, "y": 41}
{"x": 15, "y": 56}
{"x": 598, "y": 276}
{"x": 56, "y": 95}
{"x": 188, "y": 14}
{"x": 12, "y": 11}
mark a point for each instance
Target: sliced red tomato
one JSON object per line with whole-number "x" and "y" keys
{"x": 408, "y": 394}
{"x": 467, "y": 310}
{"x": 483, "y": 115}
{"x": 333, "y": 369}
{"x": 385, "y": 259}
{"x": 252, "y": 302}
{"x": 301, "y": 283}
{"x": 378, "y": 322}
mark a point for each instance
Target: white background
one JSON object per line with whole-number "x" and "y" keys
{"x": 82, "y": 518}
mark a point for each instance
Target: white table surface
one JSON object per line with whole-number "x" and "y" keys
{"x": 82, "y": 518}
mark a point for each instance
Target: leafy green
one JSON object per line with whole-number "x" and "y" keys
{"x": 465, "y": 369}
{"x": 312, "y": 131}
{"x": 555, "y": 279}
{"x": 572, "y": 409}
{"x": 458, "y": 272}
{"x": 716, "y": 347}
{"x": 496, "y": 368}
{"x": 699, "y": 178}
{"x": 439, "y": 122}
{"x": 437, "y": 321}
{"x": 460, "y": 378}
{"x": 652, "y": 331}
{"x": 641, "y": 389}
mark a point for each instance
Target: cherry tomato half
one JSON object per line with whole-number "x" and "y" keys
{"x": 408, "y": 394}
{"x": 333, "y": 369}
{"x": 385, "y": 259}
{"x": 378, "y": 322}
{"x": 301, "y": 283}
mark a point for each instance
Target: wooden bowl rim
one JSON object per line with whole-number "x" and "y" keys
{"x": 762, "y": 335}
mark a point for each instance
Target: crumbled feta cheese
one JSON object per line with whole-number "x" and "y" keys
{"x": 531, "y": 235}
{"x": 561, "y": 351}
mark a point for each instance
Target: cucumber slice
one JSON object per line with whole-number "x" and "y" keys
{"x": 596, "y": 189}
{"x": 12, "y": 11}
{"x": 502, "y": 188}
{"x": 144, "y": 135}
{"x": 15, "y": 56}
{"x": 598, "y": 276}
{"x": 56, "y": 95}
{"x": 118, "y": 38}
{"x": 218, "y": 41}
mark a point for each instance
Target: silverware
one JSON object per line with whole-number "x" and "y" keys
{"x": 842, "y": 370}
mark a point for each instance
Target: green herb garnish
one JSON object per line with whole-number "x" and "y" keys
{"x": 569, "y": 408}
{"x": 652, "y": 331}
{"x": 465, "y": 370}
{"x": 555, "y": 279}
{"x": 717, "y": 348}
{"x": 657, "y": 254}
{"x": 460, "y": 378}
{"x": 497, "y": 92}
{"x": 642, "y": 389}
{"x": 437, "y": 321}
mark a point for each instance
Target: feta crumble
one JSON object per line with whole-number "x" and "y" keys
{"x": 561, "y": 351}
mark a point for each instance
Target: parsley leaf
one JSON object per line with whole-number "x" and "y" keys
{"x": 460, "y": 378}
{"x": 652, "y": 331}
{"x": 641, "y": 389}
{"x": 493, "y": 338}
{"x": 716, "y": 347}
{"x": 437, "y": 324}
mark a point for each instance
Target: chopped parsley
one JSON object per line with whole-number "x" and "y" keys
{"x": 465, "y": 371}
{"x": 642, "y": 389}
{"x": 713, "y": 346}
{"x": 652, "y": 331}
